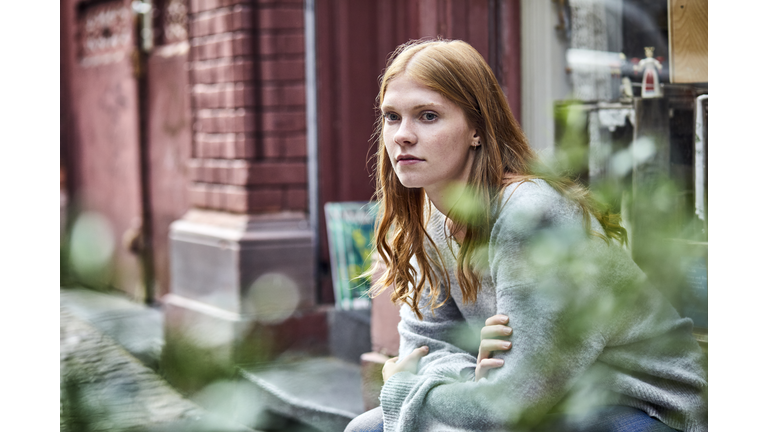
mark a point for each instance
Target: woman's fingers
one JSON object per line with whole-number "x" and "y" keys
{"x": 409, "y": 363}
{"x": 390, "y": 368}
{"x": 485, "y": 365}
{"x": 497, "y": 319}
{"x": 393, "y": 359}
{"x": 495, "y": 331}
{"x": 487, "y": 346}
{"x": 490, "y": 335}
{"x": 418, "y": 353}
{"x": 492, "y": 340}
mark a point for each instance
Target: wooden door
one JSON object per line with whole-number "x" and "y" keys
{"x": 103, "y": 146}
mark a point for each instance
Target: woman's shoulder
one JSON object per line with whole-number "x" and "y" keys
{"x": 528, "y": 188}
{"x": 535, "y": 197}
{"x": 528, "y": 206}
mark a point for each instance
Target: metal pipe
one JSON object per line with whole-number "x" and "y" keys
{"x": 310, "y": 51}
{"x": 699, "y": 161}
{"x": 143, "y": 48}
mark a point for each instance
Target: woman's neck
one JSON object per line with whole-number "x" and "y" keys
{"x": 444, "y": 200}
{"x": 445, "y": 197}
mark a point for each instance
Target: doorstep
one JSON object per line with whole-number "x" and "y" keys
{"x": 324, "y": 392}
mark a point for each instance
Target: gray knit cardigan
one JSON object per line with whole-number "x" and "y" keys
{"x": 588, "y": 330}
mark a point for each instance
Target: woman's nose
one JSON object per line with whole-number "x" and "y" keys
{"x": 405, "y": 134}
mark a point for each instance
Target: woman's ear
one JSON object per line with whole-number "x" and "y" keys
{"x": 475, "y": 139}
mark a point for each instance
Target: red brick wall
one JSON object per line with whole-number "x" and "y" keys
{"x": 248, "y": 97}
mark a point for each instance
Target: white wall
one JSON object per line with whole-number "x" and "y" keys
{"x": 544, "y": 79}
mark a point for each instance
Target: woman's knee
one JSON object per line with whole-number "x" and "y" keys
{"x": 371, "y": 421}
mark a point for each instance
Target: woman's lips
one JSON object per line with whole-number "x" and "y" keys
{"x": 408, "y": 160}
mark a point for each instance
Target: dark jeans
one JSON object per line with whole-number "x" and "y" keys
{"x": 615, "y": 418}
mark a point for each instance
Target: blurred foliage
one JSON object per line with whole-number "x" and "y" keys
{"x": 571, "y": 156}
{"x": 75, "y": 415}
{"x": 666, "y": 239}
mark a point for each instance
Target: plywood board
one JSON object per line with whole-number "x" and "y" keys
{"x": 688, "y": 44}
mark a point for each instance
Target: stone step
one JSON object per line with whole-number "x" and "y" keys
{"x": 322, "y": 392}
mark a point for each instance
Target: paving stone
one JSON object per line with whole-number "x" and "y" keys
{"x": 105, "y": 388}
{"x": 135, "y": 327}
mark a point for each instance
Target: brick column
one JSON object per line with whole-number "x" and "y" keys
{"x": 248, "y": 186}
{"x": 247, "y": 74}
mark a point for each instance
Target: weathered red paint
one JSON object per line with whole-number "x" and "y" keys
{"x": 104, "y": 142}
{"x": 170, "y": 147}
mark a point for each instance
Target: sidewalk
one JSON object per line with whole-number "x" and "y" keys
{"x": 104, "y": 387}
{"x": 110, "y": 352}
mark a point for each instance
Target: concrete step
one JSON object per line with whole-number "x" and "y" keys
{"x": 324, "y": 393}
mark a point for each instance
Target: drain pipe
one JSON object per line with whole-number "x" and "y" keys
{"x": 310, "y": 50}
{"x": 700, "y": 161}
{"x": 143, "y": 23}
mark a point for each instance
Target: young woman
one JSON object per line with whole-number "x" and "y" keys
{"x": 570, "y": 335}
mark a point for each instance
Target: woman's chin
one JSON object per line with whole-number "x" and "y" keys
{"x": 410, "y": 184}
{"x": 408, "y": 181}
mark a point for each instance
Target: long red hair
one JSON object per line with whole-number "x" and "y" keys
{"x": 459, "y": 73}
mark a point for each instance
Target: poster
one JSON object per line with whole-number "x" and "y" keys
{"x": 350, "y": 230}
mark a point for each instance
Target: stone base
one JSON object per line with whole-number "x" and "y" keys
{"x": 242, "y": 289}
{"x": 349, "y": 333}
{"x": 204, "y": 343}
{"x": 216, "y": 258}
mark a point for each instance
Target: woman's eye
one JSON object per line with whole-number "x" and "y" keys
{"x": 430, "y": 116}
{"x": 391, "y": 117}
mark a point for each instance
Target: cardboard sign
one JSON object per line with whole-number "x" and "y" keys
{"x": 350, "y": 231}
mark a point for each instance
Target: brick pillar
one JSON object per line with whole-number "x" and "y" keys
{"x": 247, "y": 74}
{"x": 248, "y": 177}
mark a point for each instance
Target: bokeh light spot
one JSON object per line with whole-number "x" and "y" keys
{"x": 91, "y": 245}
{"x": 272, "y": 298}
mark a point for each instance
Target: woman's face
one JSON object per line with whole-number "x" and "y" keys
{"x": 428, "y": 138}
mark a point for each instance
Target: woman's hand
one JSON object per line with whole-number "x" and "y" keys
{"x": 409, "y": 364}
{"x": 495, "y": 328}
